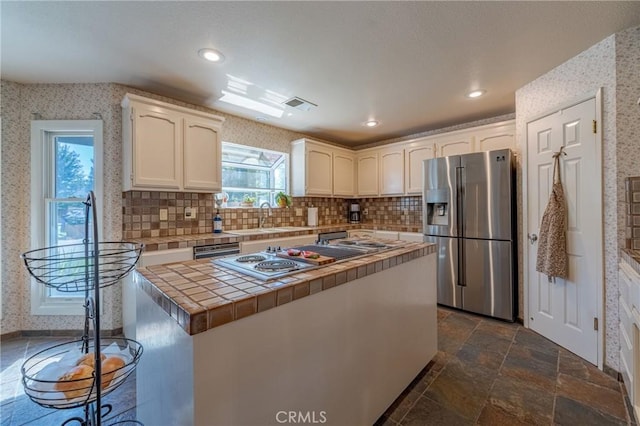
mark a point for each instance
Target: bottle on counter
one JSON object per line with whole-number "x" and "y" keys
{"x": 217, "y": 223}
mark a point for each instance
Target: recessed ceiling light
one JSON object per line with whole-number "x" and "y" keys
{"x": 211, "y": 55}
{"x": 476, "y": 93}
{"x": 371, "y": 123}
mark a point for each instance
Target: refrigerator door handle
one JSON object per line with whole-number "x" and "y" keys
{"x": 462, "y": 281}
{"x": 460, "y": 201}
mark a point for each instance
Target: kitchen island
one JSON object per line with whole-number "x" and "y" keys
{"x": 335, "y": 344}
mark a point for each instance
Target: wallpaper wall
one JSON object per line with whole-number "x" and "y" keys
{"x": 80, "y": 101}
{"x": 612, "y": 65}
{"x": 67, "y": 102}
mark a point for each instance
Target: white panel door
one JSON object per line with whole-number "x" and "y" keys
{"x": 564, "y": 310}
{"x": 202, "y": 156}
{"x": 157, "y": 148}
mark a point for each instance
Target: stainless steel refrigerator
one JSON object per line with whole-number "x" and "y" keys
{"x": 469, "y": 212}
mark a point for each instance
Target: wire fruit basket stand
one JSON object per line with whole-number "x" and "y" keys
{"x": 79, "y": 373}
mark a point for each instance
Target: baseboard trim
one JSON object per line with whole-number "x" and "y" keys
{"x": 57, "y": 333}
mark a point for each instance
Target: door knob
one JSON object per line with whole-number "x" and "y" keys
{"x": 532, "y": 238}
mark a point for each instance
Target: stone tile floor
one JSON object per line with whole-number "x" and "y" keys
{"x": 486, "y": 372}
{"x": 489, "y": 372}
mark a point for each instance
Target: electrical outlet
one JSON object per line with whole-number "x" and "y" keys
{"x": 164, "y": 214}
{"x": 365, "y": 212}
{"x": 405, "y": 212}
{"x": 298, "y": 211}
{"x": 190, "y": 213}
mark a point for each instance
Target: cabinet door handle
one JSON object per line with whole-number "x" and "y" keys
{"x": 532, "y": 238}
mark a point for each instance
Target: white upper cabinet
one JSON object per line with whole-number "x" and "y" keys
{"x": 202, "y": 155}
{"x": 501, "y": 136}
{"x": 367, "y": 166}
{"x": 343, "y": 173}
{"x": 319, "y": 169}
{"x": 319, "y": 166}
{"x": 414, "y": 155}
{"x": 458, "y": 144}
{"x": 391, "y": 170}
{"x": 156, "y": 148}
{"x": 167, "y": 147}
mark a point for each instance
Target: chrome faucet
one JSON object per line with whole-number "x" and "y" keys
{"x": 263, "y": 216}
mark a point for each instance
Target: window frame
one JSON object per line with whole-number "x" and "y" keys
{"x": 42, "y": 153}
{"x": 284, "y": 160}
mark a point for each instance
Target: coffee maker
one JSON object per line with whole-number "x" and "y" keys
{"x": 354, "y": 213}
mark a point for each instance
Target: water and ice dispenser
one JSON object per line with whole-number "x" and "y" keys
{"x": 437, "y": 207}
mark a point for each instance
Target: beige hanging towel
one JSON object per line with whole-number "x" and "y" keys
{"x": 552, "y": 246}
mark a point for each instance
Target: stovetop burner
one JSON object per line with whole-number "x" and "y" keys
{"x": 276, "y": 265}
{"x": 252, "y": 258}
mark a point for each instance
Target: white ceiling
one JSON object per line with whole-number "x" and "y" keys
{"x": 406, "y": 64}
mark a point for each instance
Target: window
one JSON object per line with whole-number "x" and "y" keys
{"x": 253, "y": 173}
{"x": 66, "y": 163}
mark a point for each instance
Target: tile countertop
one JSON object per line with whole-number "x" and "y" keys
{"x": 186, "y": 241}
{"x": 201, "y": 295}
{"x": 632, "y": 257}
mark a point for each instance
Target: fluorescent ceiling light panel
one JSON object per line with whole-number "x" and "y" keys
{"x": 244, "y": 102}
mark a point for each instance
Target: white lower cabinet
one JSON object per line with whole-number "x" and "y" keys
{"x": 150, "y": 258}
{"x": 361, "y": 233}
{"x": 415, "y": 237}
{"x": 259, "y": 245}
{"x": 629, "y": 332}
{"x": 386, "y": 235}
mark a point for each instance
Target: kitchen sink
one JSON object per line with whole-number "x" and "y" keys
{"x": 266, "y": 230}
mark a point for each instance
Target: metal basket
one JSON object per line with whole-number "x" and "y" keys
{"x": 78, "y": 392}
{"x": 70, "y": 268}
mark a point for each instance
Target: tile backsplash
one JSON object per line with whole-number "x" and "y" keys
{"x": 632, "y": 200}
{"x": 141, "y": 213}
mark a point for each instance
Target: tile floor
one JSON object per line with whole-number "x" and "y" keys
{"x": 486, "y": 372}
{"x": 489, "y": 372}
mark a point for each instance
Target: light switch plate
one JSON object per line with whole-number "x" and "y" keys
{"x": 164, "y": 214}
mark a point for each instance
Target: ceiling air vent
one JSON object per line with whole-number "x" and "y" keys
{"x": 299, "y": 103}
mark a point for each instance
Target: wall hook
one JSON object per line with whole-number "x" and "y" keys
{"x": 557, "y": 154}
